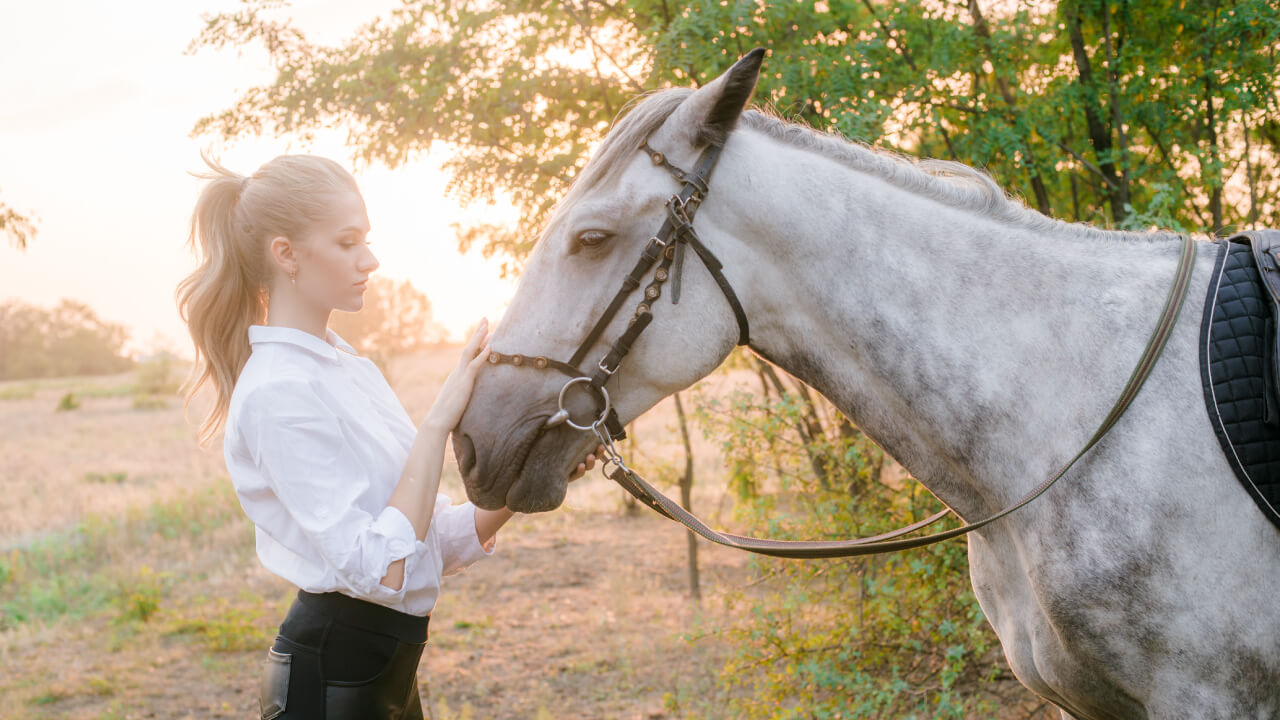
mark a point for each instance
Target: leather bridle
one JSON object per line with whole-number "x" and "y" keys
{"x": 668, "y": 245}
{"x": 667, "y": 248}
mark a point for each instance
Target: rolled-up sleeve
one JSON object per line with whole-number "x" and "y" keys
{"x": 299, "y": 445}
{"x": 455, "y": 525}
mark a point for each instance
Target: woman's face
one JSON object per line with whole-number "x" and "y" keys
{"x": 335, "y": 261}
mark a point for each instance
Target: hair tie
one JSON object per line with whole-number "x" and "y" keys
{"x": 243, "y": 181}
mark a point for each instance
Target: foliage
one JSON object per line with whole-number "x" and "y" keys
{"x": 69, "y": 339}
{"x": 898, "y": 635}
{"x": 138, "y": 597}
{"x": 1094, "y": 110}
{"x": 158, "y": 374}
{"x": 519, "y": 88}
{"x": 18, "y": 227}
{"x": 68, "y": 402}
{"x": 396, "y": 319}
{"x": 222, "y": 627}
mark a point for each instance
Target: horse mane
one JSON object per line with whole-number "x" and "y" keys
{"x": 950, "y": 183}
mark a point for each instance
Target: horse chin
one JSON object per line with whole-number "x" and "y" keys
{"x": 542, "y": 481}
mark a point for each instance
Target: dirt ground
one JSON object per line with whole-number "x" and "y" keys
{"x": 165, "y": 612}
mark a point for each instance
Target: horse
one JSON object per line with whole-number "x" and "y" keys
{"x": 975, "y": 340}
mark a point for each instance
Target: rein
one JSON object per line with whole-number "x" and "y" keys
{"x": 668, "y": 243}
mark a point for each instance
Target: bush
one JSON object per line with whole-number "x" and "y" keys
{"x": 898, "y": 635}
{"x": 68, "y": 402}
{"x": 158, "y": 375}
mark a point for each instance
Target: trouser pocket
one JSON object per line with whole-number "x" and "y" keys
{"x": 386, "y": 696}
{"x": 273, "y": 696}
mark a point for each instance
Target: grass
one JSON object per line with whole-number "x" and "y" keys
{"x": 221, "y": 626}
{"x": 148, "y": 382}
{"x": 102, "y": 562}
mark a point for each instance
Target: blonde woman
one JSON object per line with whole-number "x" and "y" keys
{"x": 339, "y": 482}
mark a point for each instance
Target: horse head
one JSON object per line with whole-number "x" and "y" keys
{"x": 508, "y": 452}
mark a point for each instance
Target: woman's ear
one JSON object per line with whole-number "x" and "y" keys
{"x": 710, "y": 113}
{"x": 282, "y": 254}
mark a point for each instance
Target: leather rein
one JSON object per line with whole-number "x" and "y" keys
{"x": 667, "y": 248}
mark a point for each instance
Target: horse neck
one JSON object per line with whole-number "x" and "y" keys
{"x": 980, "y": 353}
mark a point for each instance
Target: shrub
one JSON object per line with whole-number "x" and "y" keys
{"x": 898, "y": 635}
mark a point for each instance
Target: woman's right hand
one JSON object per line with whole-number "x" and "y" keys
{"x": 446, "y": 412}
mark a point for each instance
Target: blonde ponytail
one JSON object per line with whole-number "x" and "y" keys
{"x": 234, "y": 219}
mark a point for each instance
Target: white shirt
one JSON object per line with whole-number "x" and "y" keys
{"x": 315, "y": 442}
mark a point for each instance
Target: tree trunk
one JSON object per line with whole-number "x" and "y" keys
{"x": 686, "y": 500}
{"x": 1033, "y": 167}
{"x": 816, "y": 461}
{"x": 1099, "y": 133}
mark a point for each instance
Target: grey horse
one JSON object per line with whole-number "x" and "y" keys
{"x": 977, "y": 341}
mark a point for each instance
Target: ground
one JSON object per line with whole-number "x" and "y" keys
{"x": 129, "y": 587}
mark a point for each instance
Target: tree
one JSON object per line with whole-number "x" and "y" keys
{"x": 1160, "y": 114}
{"x": 69, "y": 339}
{"x": 396, "y": 319}
{"x": 494, "y": 80}
{"x": 19, "y": 228}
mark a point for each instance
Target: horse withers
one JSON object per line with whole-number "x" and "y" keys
{"x": 977, "y": 341}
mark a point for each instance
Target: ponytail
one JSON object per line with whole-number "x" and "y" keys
{"x": 234, "y": 218}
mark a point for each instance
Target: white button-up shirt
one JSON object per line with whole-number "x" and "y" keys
{"x": 315, "y": 442}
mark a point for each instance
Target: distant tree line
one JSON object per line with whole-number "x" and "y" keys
{"x": 69, "y": 339}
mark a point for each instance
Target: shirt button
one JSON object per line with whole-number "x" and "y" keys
{"x": 322, "y": 513}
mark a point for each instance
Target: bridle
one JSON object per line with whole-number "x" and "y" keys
{"x": 668, "y": 245}
{"x": 667, "y": 248}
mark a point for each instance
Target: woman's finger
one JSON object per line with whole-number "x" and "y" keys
{"x": 481, "y": 330}
{"x": 481, "y": 358}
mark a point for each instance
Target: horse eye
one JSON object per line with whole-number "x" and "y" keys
{"x": 591, "y": 238}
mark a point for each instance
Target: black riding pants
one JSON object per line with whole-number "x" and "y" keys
{"x": 341, "y": 658}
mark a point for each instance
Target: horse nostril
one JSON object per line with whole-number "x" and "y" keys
{"x": 465, "y": 453}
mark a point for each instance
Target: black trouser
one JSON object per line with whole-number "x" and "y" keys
{"x": 341, "y": 658}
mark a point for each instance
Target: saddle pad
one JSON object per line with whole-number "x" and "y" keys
{"x": 1234, "y": 367}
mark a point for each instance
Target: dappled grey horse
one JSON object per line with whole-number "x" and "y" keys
{"x": 978, "y": 342}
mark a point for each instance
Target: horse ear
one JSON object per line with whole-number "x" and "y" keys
{"x": 711, "y": 112}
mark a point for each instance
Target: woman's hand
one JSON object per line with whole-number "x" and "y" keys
{"x": 587, "y": 464}
{"x": 446, "y": 411}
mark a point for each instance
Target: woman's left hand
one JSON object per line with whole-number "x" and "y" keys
{"x": 587, "y": 464}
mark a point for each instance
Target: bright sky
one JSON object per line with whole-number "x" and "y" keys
{"x": 97, "y": 101}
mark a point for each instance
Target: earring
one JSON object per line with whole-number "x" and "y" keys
{"x": 293, "y": 277}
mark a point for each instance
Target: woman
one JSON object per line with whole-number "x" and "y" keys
{"x": 339, "y": 483}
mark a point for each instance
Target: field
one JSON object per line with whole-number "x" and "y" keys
{"x": 129, "y": 587}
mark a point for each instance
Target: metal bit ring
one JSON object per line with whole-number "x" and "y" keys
{"x": 562, "y": 415}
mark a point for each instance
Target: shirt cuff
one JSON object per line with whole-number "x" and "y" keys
{"x": 394, "y": 525}
{"x": 400, "y": 543}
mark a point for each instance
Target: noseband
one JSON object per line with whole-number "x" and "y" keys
{"x": 666, "y": 248}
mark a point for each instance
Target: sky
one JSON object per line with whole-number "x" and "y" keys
{"x": 97, "y": 103}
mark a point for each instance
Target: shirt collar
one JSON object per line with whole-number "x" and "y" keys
{"x": 327, "y": 348}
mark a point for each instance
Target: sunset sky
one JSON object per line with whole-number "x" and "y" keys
{"x": 97, "y": 101}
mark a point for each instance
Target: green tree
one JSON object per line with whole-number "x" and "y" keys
{"x": 1108, "y": 111}
{"x": 506, "y": 84}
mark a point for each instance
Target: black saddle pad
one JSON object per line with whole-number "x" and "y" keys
{"x": 1235, "y": 335}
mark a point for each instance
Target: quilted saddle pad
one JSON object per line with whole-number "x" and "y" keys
{"x": 1236, "y": 339}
